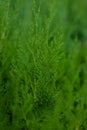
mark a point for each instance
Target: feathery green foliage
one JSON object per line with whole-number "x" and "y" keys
{"x": 43, "y": 63}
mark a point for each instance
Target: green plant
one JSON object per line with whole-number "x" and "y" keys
{"x": 42, "y": 78}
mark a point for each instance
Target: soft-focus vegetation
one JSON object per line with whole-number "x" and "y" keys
{"x": 43, "y": 59}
